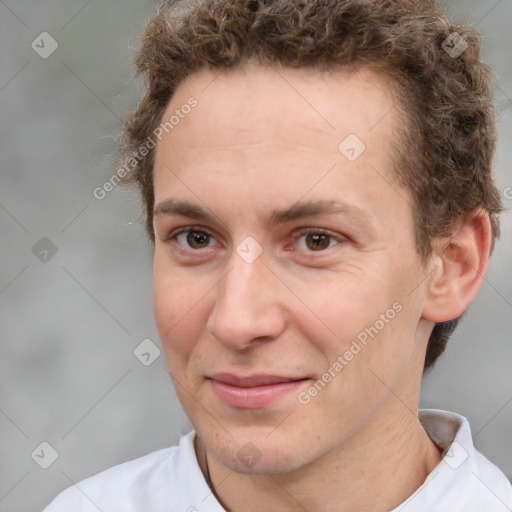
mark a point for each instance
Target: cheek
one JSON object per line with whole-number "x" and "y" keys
{"x": 174, "y": 291}
{"x": 365, "y": 314}
{"x": 345, "y": 305}
{"x": 177, "y": 303}
{"x": 165, "y": 302}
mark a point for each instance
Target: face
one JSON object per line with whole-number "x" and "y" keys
{"x": 287, "y": 286}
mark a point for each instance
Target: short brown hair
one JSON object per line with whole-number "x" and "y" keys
{"x": 444, "y": 155}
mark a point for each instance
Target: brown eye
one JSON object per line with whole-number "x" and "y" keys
{"x": 193, "y": 239}
{"x": 316, "y": 241}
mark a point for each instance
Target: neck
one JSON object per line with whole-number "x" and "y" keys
{"x": 375, "y": 470}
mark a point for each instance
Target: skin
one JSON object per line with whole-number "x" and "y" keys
{"x": 259, "y": 140}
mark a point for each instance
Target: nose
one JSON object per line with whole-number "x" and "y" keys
{"x": 247, "y": 306}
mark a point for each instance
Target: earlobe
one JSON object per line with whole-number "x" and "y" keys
{"x": 457, "y": 268}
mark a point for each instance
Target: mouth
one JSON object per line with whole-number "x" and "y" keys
{"x": 254, "y": 391}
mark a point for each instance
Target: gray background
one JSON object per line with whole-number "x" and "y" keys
{"x": 69, "y": 325}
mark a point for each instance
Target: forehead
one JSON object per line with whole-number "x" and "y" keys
{"x": 280, "y": 131}
{"x": 322, "y": 105}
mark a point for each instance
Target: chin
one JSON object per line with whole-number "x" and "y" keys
{"x": 258, "y": 454}
{"x": 269, "y": 464}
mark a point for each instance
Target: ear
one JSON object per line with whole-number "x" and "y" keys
{"x": 458, "y": 265}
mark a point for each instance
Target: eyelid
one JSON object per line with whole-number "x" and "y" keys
{"x": 320, "y": 231}
{"x": 184, "y": 229}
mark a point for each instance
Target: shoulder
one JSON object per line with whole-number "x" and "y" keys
{"x": 465, "y": 480}
{"x": 490, "y": 482}
{"x": 151, "y": 482}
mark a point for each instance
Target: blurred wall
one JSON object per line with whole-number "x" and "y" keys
{"x": 75, "y": 273}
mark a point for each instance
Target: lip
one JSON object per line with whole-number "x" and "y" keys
{"x": 254, "y": 391}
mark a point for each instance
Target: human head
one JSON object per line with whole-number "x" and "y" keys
{"x": 444, "y": 152}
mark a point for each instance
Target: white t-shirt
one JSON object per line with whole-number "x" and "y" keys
{"x": 170, "y": 480}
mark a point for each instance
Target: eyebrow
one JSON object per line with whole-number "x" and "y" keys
{"x": 297, "y": 211}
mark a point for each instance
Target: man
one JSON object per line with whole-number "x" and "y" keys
{"x": 317, "y": 183}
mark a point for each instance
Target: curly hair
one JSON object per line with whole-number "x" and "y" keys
{"x": 446, "y": 144}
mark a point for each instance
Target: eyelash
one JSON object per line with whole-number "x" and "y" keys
{"x": 298, "y": 234}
